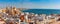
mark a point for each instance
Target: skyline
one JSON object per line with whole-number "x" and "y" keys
{"x": 37, "y": 4}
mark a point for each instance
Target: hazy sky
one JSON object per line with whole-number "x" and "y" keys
{"x": 40, "y": 4}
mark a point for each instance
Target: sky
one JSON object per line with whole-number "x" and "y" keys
{"x": 9, "y": 3}
{"x": 33, "y": 4}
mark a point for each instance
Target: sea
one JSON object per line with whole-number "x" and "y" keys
{"x": 43, "y": 11}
